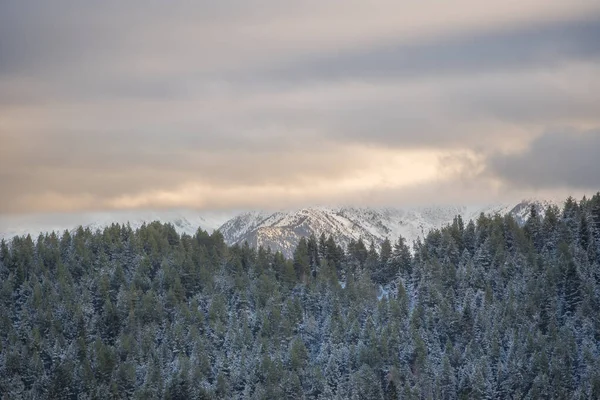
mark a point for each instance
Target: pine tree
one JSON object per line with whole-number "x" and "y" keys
{"x": 302, "y": 261}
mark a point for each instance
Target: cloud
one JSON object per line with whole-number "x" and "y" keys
{"x": 553, "y": 160}
{"x": 260, "y": 103}
{"x": 500, "y": 49}
{"x": 287, "y": 178}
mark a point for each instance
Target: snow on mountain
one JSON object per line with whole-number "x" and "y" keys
{"x": 234, "y": 229}
{"x": 279, "y": 230}
{"x": 282, "y": 230}
{"x": 521, "y": 211}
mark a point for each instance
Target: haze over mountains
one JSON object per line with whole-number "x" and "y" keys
{"x": 280, "y": 230}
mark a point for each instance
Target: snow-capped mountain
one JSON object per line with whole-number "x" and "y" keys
{"x": 279, "y": 230}
{"x": 283, "y": 229}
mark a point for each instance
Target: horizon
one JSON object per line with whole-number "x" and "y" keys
{"x": 35, "y": 224}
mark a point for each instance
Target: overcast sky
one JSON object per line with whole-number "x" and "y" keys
{"x": 274, "y": 103}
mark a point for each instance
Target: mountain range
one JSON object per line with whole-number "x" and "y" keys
{"x": 280, "y": 230}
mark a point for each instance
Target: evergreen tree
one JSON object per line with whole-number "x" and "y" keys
{"x": 484, "y": 309}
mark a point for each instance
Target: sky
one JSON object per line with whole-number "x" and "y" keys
{"x": 231, "y": 104}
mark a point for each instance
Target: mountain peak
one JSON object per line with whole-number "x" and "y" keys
{"x": 282, "y": 230}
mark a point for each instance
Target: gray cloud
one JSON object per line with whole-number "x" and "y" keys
{"x": 500, "y": 49}
{"x": 101, "y": 101}
{"x": 553, "y": 160}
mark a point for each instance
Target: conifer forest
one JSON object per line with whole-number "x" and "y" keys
{"x": 485, "y": 309}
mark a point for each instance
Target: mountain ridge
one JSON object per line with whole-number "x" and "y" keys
{"x": 280, "y": 230}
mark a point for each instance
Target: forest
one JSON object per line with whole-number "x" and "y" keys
{"x": 485, "y": 309}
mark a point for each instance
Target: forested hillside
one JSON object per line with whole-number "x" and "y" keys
{"x": 479, "y": 310}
